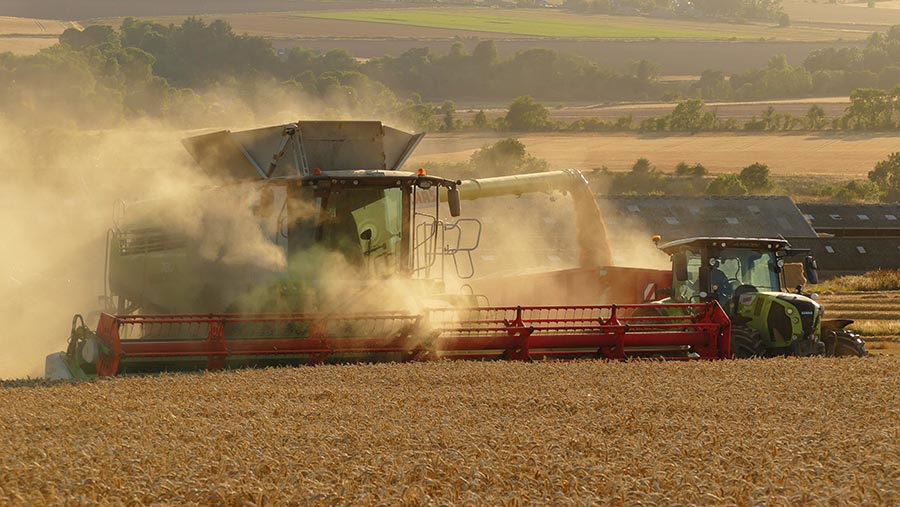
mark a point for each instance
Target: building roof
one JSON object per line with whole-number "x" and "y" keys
{"x": 852, "y": 256}
{"x": 676, "y": 218}
{"x": 827, "y": 216}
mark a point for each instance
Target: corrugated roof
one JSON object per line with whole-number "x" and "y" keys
{"x": 824, "y": 216}
{"x": 674, "y": 217}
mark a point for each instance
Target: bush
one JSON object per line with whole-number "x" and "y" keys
{"x": 697, "y": 170}
{"x": 507, "y": 156}
{"x": 726, "y": 184}
{"x": 755, "y": 177}
{"x": 527, "y": 115}
{"x": 886, "y": 175}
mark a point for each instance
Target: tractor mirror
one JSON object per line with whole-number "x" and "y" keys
{"x": 679, "y": 266}
{"x": 453, "y": 201}
{"x": 812, "y": 269}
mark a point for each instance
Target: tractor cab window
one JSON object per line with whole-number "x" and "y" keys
{"x": 688, "y": 290}
{"x": 734, "y": 267}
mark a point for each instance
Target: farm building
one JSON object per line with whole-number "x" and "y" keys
{"x": 838, "y": 256}
{"x": 682, "y": 217}
{"x": 845, "y": 238}
{"x": 853, "y": 220}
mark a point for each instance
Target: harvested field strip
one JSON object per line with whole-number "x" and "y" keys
{"x": 876, "y": 314}
{"x": 496, "y": 433}
{"x": 874, "y": 328}
{"x": 867, "y": 306}
{"x": 888, "y": 314}
{"x": 544, "y": 23}
{"x": 604, "y": 28}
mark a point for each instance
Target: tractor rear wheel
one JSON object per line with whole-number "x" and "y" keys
{"x": 848, "y": 344}
{"x": 746, "y": 343}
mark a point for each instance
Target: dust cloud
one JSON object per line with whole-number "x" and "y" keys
{"x": 57, "y": 200}
{"x": 60, "y": 186}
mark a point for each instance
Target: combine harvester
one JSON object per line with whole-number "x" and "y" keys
{"x": 372, "y": 270}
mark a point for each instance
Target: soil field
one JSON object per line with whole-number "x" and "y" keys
{"x": 846, "y": 156}
{"x": 827, "y": 432}
{"x": 876, "y": 317}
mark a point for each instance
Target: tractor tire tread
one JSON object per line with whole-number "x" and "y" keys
{"x": 746, "y": 343}
{"x": 848, "y": 344}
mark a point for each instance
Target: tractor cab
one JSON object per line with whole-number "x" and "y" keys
{"x": 722, "y": 269}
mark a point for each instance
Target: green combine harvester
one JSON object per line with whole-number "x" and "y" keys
{"x": 747, "y": 277}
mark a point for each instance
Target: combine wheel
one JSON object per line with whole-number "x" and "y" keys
{"x": 847, "y": 344}
{"x": 745, "y": 343}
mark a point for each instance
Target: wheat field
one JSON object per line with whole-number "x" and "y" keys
{"x": 753, "y": 432}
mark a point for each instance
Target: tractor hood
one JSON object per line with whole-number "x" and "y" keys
{"x": 297, "y": 149}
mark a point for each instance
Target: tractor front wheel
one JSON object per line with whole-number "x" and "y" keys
{"x": 746, "y": 343}
{"x": 846, "y": 344}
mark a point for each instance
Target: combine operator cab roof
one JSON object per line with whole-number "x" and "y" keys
{"x": 301, "y": 149}
{"x": 711, "y": 243}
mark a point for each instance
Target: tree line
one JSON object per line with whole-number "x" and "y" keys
{"x": 197, "y": 72}
{"x": 180, "y": 72}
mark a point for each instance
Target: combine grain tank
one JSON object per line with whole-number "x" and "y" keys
{"x": 314, "y": 246}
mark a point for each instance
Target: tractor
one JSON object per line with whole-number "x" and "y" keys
{"x": 747, "y": 277}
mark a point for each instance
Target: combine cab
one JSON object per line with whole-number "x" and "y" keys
{"x": 366, "y": 262}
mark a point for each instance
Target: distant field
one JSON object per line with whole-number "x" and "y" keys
{"x": 543, "y": 23}
{"x": 847, "y": 15}
{"x": 28, "y": 35}
{"x": 837, "y": 156}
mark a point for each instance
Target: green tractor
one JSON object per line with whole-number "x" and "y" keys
{"x": 747, "y": 276}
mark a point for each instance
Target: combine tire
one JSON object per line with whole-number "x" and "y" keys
{"x": 847, "y": 344}
{"x": 746, "y": 343}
